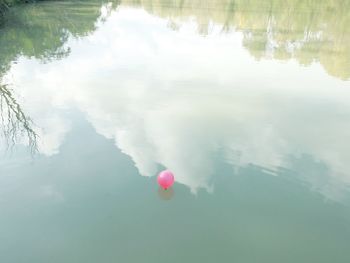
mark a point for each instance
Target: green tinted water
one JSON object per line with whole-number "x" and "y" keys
{"x": 246, "y": 102}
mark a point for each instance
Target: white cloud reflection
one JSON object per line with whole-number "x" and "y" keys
{"x": 177, "y": 98}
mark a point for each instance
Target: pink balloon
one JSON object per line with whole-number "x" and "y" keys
{"x": 166, "y": 179}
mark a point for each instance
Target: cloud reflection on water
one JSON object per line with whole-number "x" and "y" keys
{"x": 177, "y": 99}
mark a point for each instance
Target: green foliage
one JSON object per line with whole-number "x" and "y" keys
{"x": 6, "y": 4}
{"x": 41, "y": 30}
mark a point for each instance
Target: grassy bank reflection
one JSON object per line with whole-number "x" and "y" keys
{"x": 308, "y": 31}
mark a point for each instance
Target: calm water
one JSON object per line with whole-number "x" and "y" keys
{"x": 247, "y": 102}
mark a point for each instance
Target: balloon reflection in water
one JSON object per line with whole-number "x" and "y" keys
{"x": 166, "y": 194}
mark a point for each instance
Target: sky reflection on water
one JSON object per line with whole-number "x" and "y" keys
{"x": 176, "y": 99}
{"x": 247, "y": 106}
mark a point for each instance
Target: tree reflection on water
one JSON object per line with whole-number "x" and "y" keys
{"x": 14, "y": 122}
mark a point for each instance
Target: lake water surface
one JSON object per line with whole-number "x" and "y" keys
{"x": 247, "y": 102}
